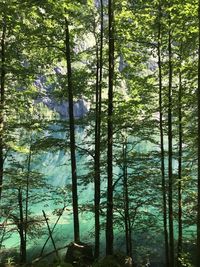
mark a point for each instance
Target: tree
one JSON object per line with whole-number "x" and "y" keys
{"x": 97, "y": 179}
{"x": 198, "y": 105}
{"x": 3, "y": 74}
{"x": 72, "y": 135}
{"x": 170, "y": 172}
{"x": 127, "y": 220}
{"x": 109, "y": 216}
{"x": 162, "y": 153}
{"x": 180, "y": 212}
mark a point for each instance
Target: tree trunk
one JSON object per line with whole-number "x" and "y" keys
{"x": 97, "y": 183}
{"x": 109, "y": 215}
{"x": 127, "y": 220}
{"x": 198, "y": 100}
{"x": 27, "y": 192}
{"x": 170, "y": 154}
{"x": 72, "y": 135}
{"x": 2, "y": 100}
{"x": 21, "y": 229}
{"x": 162, "y": 152}
{"x": 180, "y": 226}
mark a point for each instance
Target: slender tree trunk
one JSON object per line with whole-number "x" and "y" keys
{"x": 2, "y": 100}
{"x": 127, "y": 220}
{"x": 3, "y": 233}
{"x": 170, "y": 154}
{"x": 180, "y": 226}
{"x": 27, "y": 193}
{"x": 109, "y": 215}
{"x": 72, "y": 136}
{"x": 162, "y": 152}
{"x": 21, "y": 229}
{"x": 130, "y": 236}
{"x": 198, "y": 100}
{"x": 97, "y": 184}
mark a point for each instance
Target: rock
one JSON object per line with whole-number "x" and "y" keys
{"x": 79, "y": 254}
{"x": 81, "y": 107}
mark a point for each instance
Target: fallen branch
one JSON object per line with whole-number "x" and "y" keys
{"x": 48, "y": 254}
{"x": 52, "y": 230}
{"x": 50, "y": 234}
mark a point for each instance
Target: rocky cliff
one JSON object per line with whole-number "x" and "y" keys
{"x": 81, "y": 107}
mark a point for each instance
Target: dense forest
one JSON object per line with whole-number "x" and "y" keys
{"x": 100, "y": 133}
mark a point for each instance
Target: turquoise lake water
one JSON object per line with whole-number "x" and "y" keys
{"x": 56, "y": 170}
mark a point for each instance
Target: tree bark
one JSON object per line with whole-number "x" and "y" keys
{"x": 198, "y": 175}
{"x": 72, "y": 135}
{"x": 27, "y": 192}
{"x": 2, "y": 100}
{"x": 127, "y": 220}
{"x": 180, "y": 152}
{"x": 21, "y": 229}
{"x": 162, "y": 152}
{"x": 170, "y": 154}
{"x": 97, "y": 183}
{"x": 109, "y": 215}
